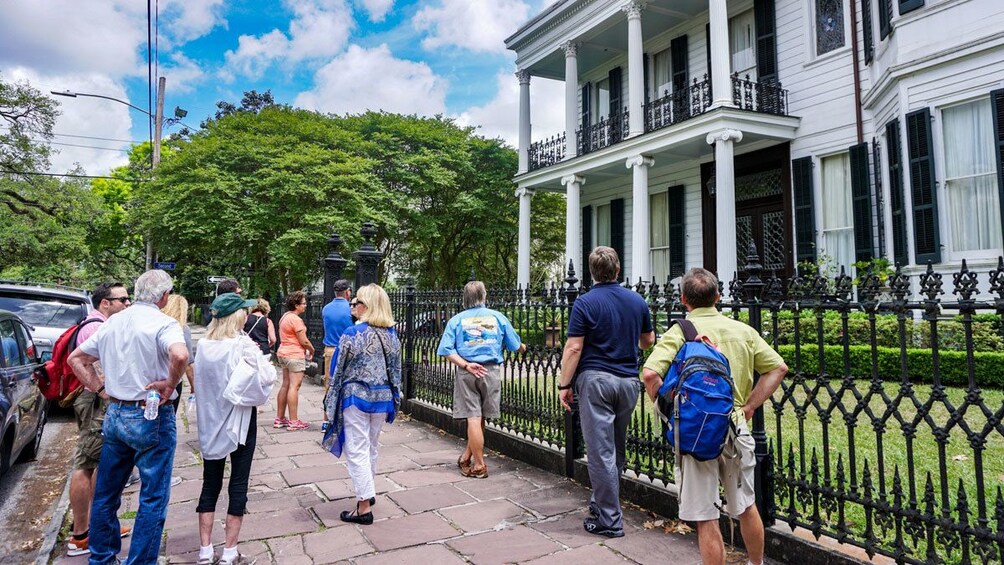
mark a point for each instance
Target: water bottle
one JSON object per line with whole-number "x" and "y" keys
{"x": 191, "y": 404}
{"x": 152, "y": 405}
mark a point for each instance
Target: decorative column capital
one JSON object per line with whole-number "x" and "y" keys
{"x": 634, "y": 8}
{"x": 724, "y": 135}
{"x": 524, "y": 191}
{"x": 571, "y": 48}
{"x": 523, "y": 76}
{"x": 639, "y": 161}
{"x": 569, "y": 179}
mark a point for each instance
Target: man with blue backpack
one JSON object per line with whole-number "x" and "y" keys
{"x": 700, "y": 375}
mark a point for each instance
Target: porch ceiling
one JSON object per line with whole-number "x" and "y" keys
{"x": 609, "y": 38}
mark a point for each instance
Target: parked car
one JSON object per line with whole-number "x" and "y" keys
{"x": 22, "y": 406}
{"x": 48, "y": 309}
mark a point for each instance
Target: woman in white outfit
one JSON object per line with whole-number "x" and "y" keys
{"x": 233, "y": 379}
{"x": 364, "y": 394}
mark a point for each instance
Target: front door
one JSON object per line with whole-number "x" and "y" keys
{"x": 762, "y": 204}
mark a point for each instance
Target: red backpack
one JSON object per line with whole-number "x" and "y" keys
{"x": 56, "y": 379}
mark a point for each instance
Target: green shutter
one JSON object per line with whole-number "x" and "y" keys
{"x": 926, "y": 237}
{"x": 678, "y": 61}
{"x": 766, "y": 40}
{"x": 805, "y": 214}
{"x": 997, "y": 108}
{"x": 894, "y": 153}
{"x": 885, "y": 18}
{"x": 616, "y": 89}
{"x": 677, "y": 232}
{"x": 909, "y": 5}
{"x": 866, "y": 30}
{"x": 587, "y": 245}
{"x": 861, "y": 203}
{"x": 617, "y": 230}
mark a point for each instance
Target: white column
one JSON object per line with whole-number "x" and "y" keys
{"x": 571, "y": 98}
{"x": 523, "y": 254}
{"x": 640, "y": 240}
{"x": 524, "y": 120}
{"x": 573, "y": 235}
{"x": 636, "y": 72}
{"x": 721, "y": 82}
{"x": 725, "y": 200}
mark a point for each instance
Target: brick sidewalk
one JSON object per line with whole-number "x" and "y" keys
{"x": 426, "y": 512}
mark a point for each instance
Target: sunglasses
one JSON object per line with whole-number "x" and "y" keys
{"x": 355, "y": 303}
{"x": 121, "y": 299}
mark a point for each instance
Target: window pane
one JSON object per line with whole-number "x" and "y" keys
{"x": 742, "y": 39}
{"x": 829, "y": 25}
{"x": 658, "y": 212}
{"x": 663, "y": 78}
{"x": 603, "y": 225}
{"x": 970, "y": 177}
{"x": 8, "y": 345}
{"x": 660, "y": 265}
{"x": 602, "y": 99}
{"x": 838, "y": 218}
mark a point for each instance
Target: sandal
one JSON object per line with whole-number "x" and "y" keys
{"x": 464, "y": 466}
{"x": 297, "y": 425}
{"x": 280, "y": 423}
{"x": 474, "y": 473}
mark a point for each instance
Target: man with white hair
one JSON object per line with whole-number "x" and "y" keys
{"x": 140, "y": 349}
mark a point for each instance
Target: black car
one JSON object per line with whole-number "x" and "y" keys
{"x": 22, "y": 406}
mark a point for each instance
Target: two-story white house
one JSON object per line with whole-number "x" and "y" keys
{"x": 844, "y": 129}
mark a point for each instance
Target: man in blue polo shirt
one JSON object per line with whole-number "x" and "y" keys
{"x": 606, "y": 328}
{"x": 336, "y": 317}
{"x": 473, "y": 341}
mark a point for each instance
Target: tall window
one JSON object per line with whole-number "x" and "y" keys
{"x": 658, "y": 212}
{"x": 603, "y": 224}
{"x": 971, "y": 177}
{"x": 742, "y": 41}
{"x": 829, "y": 25}
{"x": 663, "y": 73}
{"x": 602, "y": 99}
{"x": 838, "y": 217}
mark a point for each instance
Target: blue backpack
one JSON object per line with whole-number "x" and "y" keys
{"x": 695, "y": 399}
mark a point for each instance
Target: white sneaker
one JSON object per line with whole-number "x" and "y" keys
{"x": 239, "y": 560}
{"x": 175, "y": 480}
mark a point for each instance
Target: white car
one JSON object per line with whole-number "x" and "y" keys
{"x": 48, "y": 309}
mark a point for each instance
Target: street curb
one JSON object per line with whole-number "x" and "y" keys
{"x": 52, "y": 532}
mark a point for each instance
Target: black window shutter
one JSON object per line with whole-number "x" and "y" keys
{"x": 805, "y": 215}
{"x": 587, "y": 105}
{"x": 707, "y": 45}
{"x": 617, "y": 229}
{"x": 997, "y": 108}
{"x": 909, "y": 5}
{"x": 894, "y": 152}
{"x": 678, "y": 61}
{"x": 677, "y": 232}
{"x": 647, "y": 78}
{"x": 885, "y": 18}
{"x": 866, "y": 30}
{"x": 861, "y": 203}
{"x": 587, "y": 245}
{"x": 926, "y": 238}
{"x": 879, "y": 215}
{"x": 766, "y": 40}
{"x": 614, "y": 79}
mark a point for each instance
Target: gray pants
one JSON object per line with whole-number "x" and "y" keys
{"x": 605, "y": 405}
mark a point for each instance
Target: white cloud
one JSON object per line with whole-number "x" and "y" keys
{"x": 377, "y": 9}
{"x": 91, "y": 117}
{"x": 182, "y": 75}
{"x": 373, "y": 79}
{"x": 500, "y": 116}
{"x": 478, "y": 25}
{"x": 185, "y": 20}
{"x": 319, "y": 29}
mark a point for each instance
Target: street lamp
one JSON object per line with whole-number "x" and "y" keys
{"x": 179, "y": 112}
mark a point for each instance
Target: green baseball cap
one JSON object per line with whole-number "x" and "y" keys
{"x": 228, "y": 303}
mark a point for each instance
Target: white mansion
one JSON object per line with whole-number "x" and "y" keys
{"x": 837, "y": 129}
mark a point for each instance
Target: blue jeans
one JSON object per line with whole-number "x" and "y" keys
{"x": 131, "y": 440}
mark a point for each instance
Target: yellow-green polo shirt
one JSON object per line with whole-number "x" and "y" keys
{"x": 745, "y": 349}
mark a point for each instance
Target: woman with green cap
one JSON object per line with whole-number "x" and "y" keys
{"x": 233, "y": 378}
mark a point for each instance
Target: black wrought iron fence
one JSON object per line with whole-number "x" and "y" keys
{"x": 759, "y": 96}
{"x": 679, "y": 105}
{"x": 546, "y": 152}
{"x": 604, "y": 133}
{"x": 887, "y": 434}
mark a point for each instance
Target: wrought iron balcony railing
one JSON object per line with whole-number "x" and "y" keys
{"x": 547, "y": 152}
{"x": 603, "y": 133}
{"x": 675, "y": 107}
{"x": 759, "y": 96}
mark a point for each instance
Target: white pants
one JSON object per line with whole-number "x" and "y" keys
{"x": 362, "y": 434}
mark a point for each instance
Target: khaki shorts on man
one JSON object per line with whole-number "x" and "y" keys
{"x": 699, "y": 494}
{"x": 474, "y": 397}
{"x": 89, "y": 410}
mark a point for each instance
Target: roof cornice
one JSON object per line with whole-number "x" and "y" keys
{"x": 544, "y": 22}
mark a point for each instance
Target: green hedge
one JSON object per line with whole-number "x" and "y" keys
{"x": 989, "y": 366}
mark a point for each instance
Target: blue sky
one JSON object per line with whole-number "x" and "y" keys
{"x": 340, "y": 56}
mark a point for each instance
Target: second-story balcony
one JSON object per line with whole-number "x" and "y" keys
{"x": 604, "y": 133}
{"x": 679, "y": 105}
{"x": 547, "y": 152}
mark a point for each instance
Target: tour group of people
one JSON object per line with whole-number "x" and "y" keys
{"x": 141, "y": 344}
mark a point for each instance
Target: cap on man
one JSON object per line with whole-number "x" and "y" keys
{"x": 336, "y": 317}
{"x": 140, "y": 349}
{"x": 746, "y": 351}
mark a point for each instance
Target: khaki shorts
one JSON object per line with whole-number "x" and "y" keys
{"x": 474, "y": 397}
{"x": 293, "y": 364}
{"x": 89, "y": 410}
{"x": 700, "y": 497}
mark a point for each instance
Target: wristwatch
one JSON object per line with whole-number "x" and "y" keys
{"x": 565, "y": 387}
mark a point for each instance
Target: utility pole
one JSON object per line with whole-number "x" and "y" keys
{"x": 158, "y": 124}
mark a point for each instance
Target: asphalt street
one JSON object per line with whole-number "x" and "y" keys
{"x": 31, "y": 490}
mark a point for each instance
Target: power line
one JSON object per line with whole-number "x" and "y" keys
{"x": 89, "y": 146}
{"x": 71, "y": 175}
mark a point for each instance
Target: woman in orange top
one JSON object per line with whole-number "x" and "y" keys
{"x": 294, "y": 350}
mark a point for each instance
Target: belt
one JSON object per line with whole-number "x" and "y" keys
{"x": 141, "y": 403}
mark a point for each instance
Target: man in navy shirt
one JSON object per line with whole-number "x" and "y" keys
{"x": 607, "y": 326}
{"x": 336, "y": 317}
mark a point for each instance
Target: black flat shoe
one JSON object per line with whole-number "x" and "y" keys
{"x": 356, "y": 518}
{"x": 373, "y": 501}
{"x": 593, "y": 526}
